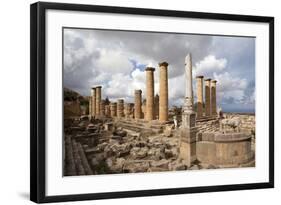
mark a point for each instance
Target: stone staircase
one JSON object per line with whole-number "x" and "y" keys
{"x": 141, "y": 125}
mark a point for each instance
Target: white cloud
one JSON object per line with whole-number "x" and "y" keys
{"x": 93, "y": 57}
{"x": 229, "y": 87}
{"x": 112, "y": 61}
{"x": 209, "y": 65}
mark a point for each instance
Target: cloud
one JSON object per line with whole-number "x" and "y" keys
{"x": 229, "y": 88}
{"x": 209, "y": 65}
{"x": 116, "y": 60}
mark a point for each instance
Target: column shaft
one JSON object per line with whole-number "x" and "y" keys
{"x": 214, "y": 97}
{"x": 163, "y": 91}
{"x": 113, "y": 108}
{"x": 102, "y": 108}
{"x": 120, "y": 108}
{"x": 208, "y": 97}
{"x": 93, "y": 102}
{"x": 149, "y": 93}
{"x": 138, "y": 101}
{"x": 98, "y": 100}
{"x": 199, "y": 96}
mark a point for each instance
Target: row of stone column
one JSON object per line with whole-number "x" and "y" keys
{"x": 155, "y": 107}
{"x": 98, "y": 107}
{"x": 95, "y": 102}
{"x": 210, "y": 97}
{"x": 150, "y": 111}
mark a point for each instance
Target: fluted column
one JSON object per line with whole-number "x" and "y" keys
{"x": 93, "y": 101}
{"x": 163, "y": 92}
{"x": 138, "y": 101}
{"x": 113, "y": 109}
{"x": 208, "y": 97}
{"x": 214, "y": 98}
{"x": 98, "y": 100}
{"x": 199, "y": 82}
{"x": 149, "y": 93}
{"x": 120, "y": 108}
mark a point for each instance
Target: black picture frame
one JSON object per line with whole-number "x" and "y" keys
{"x": 38, "y": 101}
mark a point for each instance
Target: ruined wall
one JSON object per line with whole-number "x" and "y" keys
{"x": 207, "y": 125}
{"x": 225, "y": 150}
{"x": 248, "y": 122}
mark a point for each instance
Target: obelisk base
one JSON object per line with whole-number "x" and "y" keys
{"x": 188, "y": 138}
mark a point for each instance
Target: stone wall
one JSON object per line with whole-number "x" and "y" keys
{"x": 248, "y": 121}
{"x": 225, "y": 150}
{"x": 207, "y": 125}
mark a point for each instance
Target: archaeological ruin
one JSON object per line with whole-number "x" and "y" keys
{"x": 149, "y": 135}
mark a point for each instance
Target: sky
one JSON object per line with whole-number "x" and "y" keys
{"x": 116, "y": 60}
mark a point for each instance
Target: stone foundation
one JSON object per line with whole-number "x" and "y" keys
{"x": 224, "y": 150}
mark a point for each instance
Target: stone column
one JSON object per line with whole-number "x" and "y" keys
{"x": 138, "y": 100}
{"x": 188, "y": 127}
{"x": 93, "y": 102}
{"x": 90, "y": 106}
{"x": 199, "y": 83}
{"x": 127, "y": 110}
{"x": 102, "y": 108}
{"x": 214, "y": 98}
{"x": 149, "y": 93}
{"x": 113, "y": 108}
{"x": 107, "y": 110}
{"x": 98, "y": 100}
{"x": 156, "y": 107}
{"x": 120, "y": 108}
{"x": 208, "y": 97}
{"x": 163, "y": 92}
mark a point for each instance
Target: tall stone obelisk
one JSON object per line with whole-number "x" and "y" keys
{"x": 188, "y": 128}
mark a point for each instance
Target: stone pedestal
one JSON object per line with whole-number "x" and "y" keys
{"x": 213, "y": 98}
{"x": 120, "y": 108}
{"x": 188, "y": 139}
{"x": 163, "y": 92}
{"x": 138, "y": 100}
{"x": 199, "y": 83}
{"x": 208, "y": 97}
{"x": 149, "y": 111}
{"x": 113, "y": 109}
{"x": 93, "y": 101}
{"x": 98, "y": 100}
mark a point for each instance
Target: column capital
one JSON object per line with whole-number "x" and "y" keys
{"x": 150, "y": 69}
{"x": 214, "y": 81}
{"x": 93, "y": 88}
{"x": 98, "y": 86}
{"x": 208, "y": 79}
{"x": 200, "y": 76}
{"x": 165, "y": 64}
{"x": 138, "y": 91}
